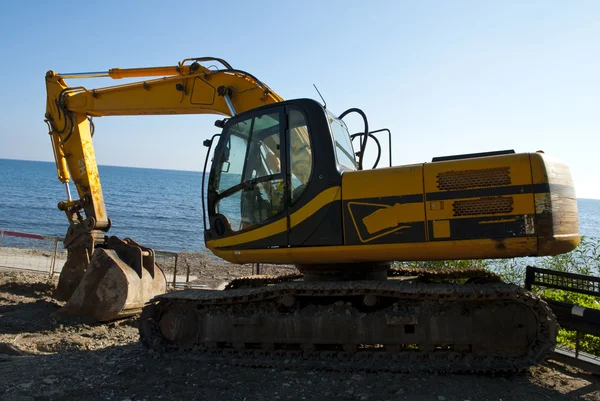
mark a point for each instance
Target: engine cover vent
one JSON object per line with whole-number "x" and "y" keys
{"x": 464, "y": 179}
{"x": 475, "y": 207}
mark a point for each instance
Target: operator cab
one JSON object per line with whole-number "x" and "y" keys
{"x": 273, "y": 161}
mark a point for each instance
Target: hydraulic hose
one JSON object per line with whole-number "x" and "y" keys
{"x": 363, "y": 143}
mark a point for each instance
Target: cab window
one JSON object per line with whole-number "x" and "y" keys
{"x": 300, "y": 153}
{"x": 342, "y": 143}
{"x": 248, "y": 174}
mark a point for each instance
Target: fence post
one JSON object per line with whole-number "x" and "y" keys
{"x": 175, "y": 270}
{"x": 53, "y": 263}
{"x": 529, "y": 277}
{"x": 187, "y": 278}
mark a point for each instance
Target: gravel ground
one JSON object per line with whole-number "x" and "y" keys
{"x": 44, "y": 357}
{"x": 214, "y": 272}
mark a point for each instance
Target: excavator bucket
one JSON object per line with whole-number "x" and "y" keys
{"x": 78, "y": 259}
{"x": 116, "y": 283}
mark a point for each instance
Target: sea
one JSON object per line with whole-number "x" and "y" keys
{"x": 161, "y": 209}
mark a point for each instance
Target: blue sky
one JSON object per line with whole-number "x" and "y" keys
{"x": 447, "y": 77}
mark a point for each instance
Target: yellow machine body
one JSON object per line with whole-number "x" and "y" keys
{"x": 475, "y": 208}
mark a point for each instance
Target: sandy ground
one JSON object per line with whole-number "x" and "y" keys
{"x": 44, "y": 357}
{"x": 212, "y": 272}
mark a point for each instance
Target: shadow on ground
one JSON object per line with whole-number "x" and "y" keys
{"x": 131, "y": 372}
{"x": 28, "y": 289}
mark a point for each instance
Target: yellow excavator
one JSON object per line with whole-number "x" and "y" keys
{"x": 286, "y": 186}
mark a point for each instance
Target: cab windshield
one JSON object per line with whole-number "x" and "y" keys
{"x": 254, "y": 156}
{"x": 247, "y": 185}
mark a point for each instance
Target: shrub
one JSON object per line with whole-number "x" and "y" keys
{"x": 587, "y": 343}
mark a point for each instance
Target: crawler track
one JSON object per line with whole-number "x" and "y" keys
{"x": 474, "y": 274}
{"x": 261, "y": 280}
{"x": 394, "y": 325}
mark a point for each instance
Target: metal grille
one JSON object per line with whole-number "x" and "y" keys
{"x": 473, "y": 207}
{"x": 489, "y": 177}
{"x": 562, "y": 281}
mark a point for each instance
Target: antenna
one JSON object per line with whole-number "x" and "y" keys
{"x": 324, "y": 102}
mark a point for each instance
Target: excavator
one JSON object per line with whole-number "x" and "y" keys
{"x": 287, "y": 186}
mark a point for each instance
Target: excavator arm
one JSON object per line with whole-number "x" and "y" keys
{"x": 187, "y": 88}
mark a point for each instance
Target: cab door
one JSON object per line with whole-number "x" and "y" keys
{"x": 314, "y": 179}
{"x": 247, "y": 186}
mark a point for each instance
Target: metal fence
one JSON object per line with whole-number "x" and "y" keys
{"x": 31, "y": 252}
{"x": 169, "y": 263}
{"x": 39, "y": 253}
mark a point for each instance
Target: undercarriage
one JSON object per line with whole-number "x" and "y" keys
{"x": 434, "y": 322}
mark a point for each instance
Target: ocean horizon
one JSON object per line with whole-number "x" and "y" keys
{"x": 160, "y": 208}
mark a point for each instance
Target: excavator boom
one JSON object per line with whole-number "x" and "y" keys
{"x": 187, "y": 88}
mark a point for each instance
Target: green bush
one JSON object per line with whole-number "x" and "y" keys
{"x": 585, "y": 259}
{"x": 445, "y": 264}
{"x": 587, "y": 343}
